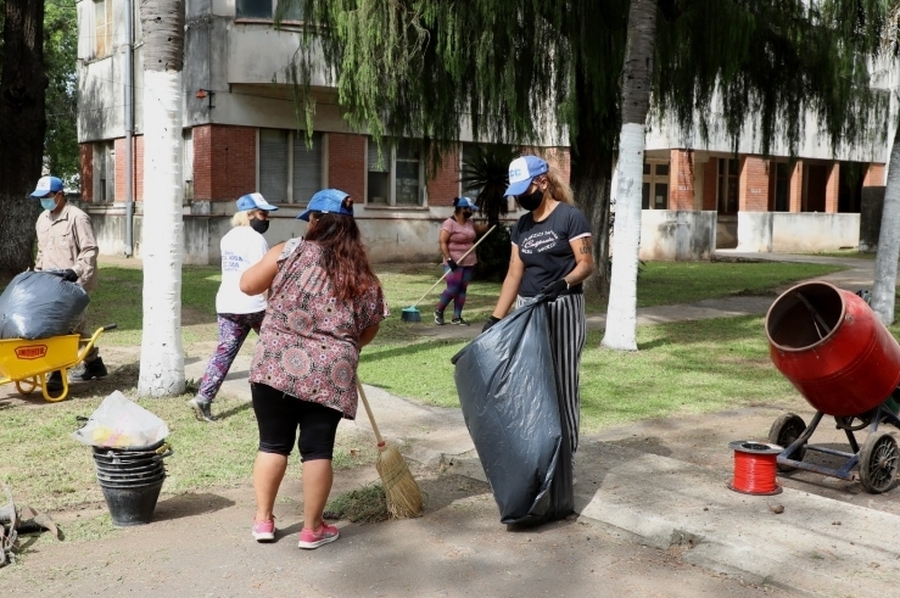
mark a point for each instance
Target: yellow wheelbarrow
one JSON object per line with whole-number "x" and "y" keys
{"x": 29, "y": 362}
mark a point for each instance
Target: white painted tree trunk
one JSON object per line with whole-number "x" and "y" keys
{"x": 162, "y": 353}
{"x": 621, "y": 312}
{"x": 885, "y": 284}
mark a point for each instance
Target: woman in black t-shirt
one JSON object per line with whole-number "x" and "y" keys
{"x": 551, "y": 255}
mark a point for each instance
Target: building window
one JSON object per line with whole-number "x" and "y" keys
{"x": 188, "y": 163}
{"x": 396, "y": 177}
{"x": 289, "y": 171}
{"x": 269, "y": 9}
{"x": 104, "y": 172}
{"x": 655, "y": 188}
{"x": 728, "y": 183}
{"x": 782, "y": 187}
{"x": 103, "y": 28}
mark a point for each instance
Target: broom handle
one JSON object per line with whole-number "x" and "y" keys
{"x": 365, "y": 402}
{"x": 461, "y": 258}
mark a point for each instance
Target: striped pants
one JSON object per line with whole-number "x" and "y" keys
{"x": 568, "y": 329}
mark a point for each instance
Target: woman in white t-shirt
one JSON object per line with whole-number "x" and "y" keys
{"x": 457, "y": 236}
{"x": 237, "y": 313}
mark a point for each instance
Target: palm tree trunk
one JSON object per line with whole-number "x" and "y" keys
{"x": 162, "y": 246}
{"x": 621, "y": 315}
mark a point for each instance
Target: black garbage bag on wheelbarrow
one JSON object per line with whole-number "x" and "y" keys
{"x": 506, "y": 381}
{"x": 39, "y": 304}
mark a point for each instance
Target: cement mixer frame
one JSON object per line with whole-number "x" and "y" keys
{"x": 833, "y": 348}
{"x": 876, "y": 461}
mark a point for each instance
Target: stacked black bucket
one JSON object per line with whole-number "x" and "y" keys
{"x": 131, "y": 479}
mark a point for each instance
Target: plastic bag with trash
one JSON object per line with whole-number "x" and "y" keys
{"x": 506, "y": 381}
{"x": 40, "y": 305}
{"x": 121, "y": 423}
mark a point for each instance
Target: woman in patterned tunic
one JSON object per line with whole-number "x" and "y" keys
{"x": 325, "y": 304}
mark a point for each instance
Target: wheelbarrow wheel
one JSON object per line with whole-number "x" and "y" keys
{"x": 784, "y": 431}
{"x": 878, "y": 462}
{"x": 26, "y": 386}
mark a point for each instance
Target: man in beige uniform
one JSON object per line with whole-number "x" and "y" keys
{"x": 66, "y": 242}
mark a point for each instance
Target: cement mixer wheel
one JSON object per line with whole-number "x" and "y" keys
{"x": 786, "y": 429}
{"x": 878, "y": 462}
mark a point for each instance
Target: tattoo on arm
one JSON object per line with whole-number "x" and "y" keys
{"x": 585, "y": 246}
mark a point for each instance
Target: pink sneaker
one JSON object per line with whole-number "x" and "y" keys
{"x": 264, "y": 531}
{"x": 313, "y": 539}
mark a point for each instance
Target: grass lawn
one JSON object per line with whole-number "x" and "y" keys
{"x": 681, "y": 368}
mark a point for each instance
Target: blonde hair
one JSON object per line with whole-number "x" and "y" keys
{"x": 241, "y": 218}
{"x": 557, "y": 187}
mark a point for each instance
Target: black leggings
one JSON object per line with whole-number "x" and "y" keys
{"x": 278, "y": 415}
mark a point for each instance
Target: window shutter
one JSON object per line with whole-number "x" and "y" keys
{"x": 273, "y": 171}
{"x": 307, "y": 167}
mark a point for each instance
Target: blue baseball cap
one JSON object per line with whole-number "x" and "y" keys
{"x": 254, "y": 201}
{"x": 466, "y": 202}
{"x": 328, "y": 201}
{"x": 47, "y": 185}
{"x": 521, "y": 171}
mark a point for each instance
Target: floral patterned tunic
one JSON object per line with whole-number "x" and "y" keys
{"x": 309, "y": 341}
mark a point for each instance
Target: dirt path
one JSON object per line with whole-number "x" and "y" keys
{"x": 200, "y": 545}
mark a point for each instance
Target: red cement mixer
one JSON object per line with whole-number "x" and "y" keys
{"x": 833, "y": 348}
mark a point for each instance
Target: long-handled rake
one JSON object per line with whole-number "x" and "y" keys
{"x": 411, "y": 313}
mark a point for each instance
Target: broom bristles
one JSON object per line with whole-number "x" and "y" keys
{"x": 404, "y": 498}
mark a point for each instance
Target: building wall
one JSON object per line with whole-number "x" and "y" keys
{"x": 443, "y": 185}
{"x": 785, "y": 232}
{"x": 875, "y": 176}
{"x": 754, "y": 185}
{"x": 347, "y": 164}
{"x": 682, "y": 235}
{"x": 224, "y": 162}
{"x": 681, "y": 183}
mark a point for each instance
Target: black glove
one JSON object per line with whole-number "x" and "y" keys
{"x": 451, "y": 263}
{"x": 552, "y": 290}
{"x": 70, "y": 275}
{"x": 491, "y": 321}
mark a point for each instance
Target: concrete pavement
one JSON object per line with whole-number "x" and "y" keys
{"x": 797, "y": 540}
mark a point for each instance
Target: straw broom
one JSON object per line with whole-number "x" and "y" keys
{"x": 404, "y": 498}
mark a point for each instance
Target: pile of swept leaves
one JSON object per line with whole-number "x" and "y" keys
{"x": 363, "y": 505}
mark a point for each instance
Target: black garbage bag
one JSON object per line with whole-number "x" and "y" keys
{"x": 506, "y": 381}
{"x": 38, "y": 304}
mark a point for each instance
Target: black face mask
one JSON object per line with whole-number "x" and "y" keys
{"x": 467, "y": 215}
{"x": 259, "y": 226}
{"x": 531, "y": 201}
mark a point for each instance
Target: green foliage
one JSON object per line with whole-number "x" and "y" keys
{"x": 774, "y": 61}
{"x": 521, "y": 69}
{"x": 487, "y": 168}
{"x": 60, "y": 51}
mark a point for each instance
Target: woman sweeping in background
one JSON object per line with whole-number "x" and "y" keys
{"x": 458, "y": 234}
{"x": 325, "y": 304}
